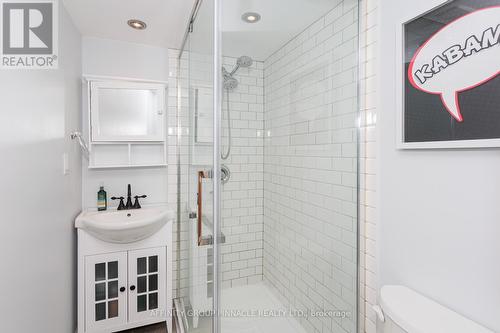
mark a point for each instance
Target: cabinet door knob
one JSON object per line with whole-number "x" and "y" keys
{"x": 132, "y": 287}
{"x": 122, "y": 289}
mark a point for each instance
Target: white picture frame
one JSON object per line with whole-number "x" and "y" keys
{"x": 400, "y": 74}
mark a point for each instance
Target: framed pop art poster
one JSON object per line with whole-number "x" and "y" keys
{"x": 450, "y": 85}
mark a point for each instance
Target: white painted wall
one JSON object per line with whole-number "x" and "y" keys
{"x": 439, "y": 209}
{"x": 115, "y": 58}
{"x": 108, "y": 57}
{"x": 38, "y": 110}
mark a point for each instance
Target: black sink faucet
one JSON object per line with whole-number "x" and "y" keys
{"x": 129, "y": 204}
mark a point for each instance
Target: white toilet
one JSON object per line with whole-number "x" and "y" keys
{"x": 403, "y": 310}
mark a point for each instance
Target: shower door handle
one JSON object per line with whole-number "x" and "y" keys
{"x": 204, "y": 240}
{"x": 201, "y": 176}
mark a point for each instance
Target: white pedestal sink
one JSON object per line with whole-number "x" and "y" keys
{"x": 124, "y": 226}
{"x": 116, "y": 251}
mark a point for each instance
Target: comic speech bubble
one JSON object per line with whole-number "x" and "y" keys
{"x": 462, "y": 55}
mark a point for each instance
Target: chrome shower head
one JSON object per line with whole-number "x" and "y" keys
{"x": 230, "y": 83}
{"x": 244, "y": 61}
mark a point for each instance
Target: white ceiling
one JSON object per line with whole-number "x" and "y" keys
{"x": 167, "y": 21}
{"x": 281, "y": 21}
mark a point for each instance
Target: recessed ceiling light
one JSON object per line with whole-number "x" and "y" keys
{"x": 251, "y": 17}
{"x": 136, "y": 24}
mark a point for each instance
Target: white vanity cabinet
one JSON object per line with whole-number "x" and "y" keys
{"x": 123, "y": 285}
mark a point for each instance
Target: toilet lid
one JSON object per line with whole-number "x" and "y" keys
{"x": 418, "y": 314}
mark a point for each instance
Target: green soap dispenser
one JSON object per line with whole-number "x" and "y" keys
{"x": 102, "y": 200}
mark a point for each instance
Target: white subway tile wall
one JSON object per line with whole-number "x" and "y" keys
{"x": 310, "y": 169}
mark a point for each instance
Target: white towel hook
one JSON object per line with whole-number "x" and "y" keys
{"x": 78, "y": 136}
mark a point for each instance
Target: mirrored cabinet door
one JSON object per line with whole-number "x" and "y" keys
{"x": 106, "y": 294}
{"x": 127, "y": 111}
{"x": 147, "y": 283}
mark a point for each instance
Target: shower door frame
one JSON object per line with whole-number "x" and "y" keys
{"x": 217, "y": 120}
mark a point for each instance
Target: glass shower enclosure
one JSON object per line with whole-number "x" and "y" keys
{"x": 267, "y": 167}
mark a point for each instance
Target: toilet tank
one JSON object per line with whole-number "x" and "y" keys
{"x": 406, "y": 311}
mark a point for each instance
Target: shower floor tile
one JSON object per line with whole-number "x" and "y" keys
{"x": 248, "y": 309}
{"x": 252, "y": 309}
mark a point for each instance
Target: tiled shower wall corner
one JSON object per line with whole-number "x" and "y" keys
{"x": 242, "y": 196}
{"x": 367, "y": 169}
{"x": 310, "y": 169}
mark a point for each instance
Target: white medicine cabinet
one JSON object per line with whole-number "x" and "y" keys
{"x": 126, "y": 122}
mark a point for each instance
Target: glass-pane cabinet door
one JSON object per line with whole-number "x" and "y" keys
{"x": 147, "y": 283}
{"x": 106, "y": 297}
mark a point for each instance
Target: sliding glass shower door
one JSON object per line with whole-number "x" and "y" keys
{"x": 268, "y": 129}
{"x": 196, "y": 177}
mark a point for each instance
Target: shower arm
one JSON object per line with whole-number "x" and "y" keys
{"x": 235, "y": 69}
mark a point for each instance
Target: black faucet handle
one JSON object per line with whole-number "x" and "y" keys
{"x": 121, "y": 206}
{"x": 137, "y": 205}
